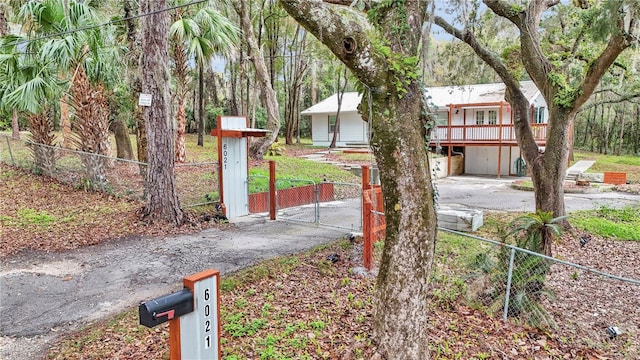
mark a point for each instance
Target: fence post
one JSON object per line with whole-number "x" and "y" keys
{"x": 508, "y": 290}
{"x": 272, "y": 189}
{"x": 367, "y": 251}
{"x": 316, "y": 195}
{"x": 13, "y": 163}
{"x": 366, "y": 181}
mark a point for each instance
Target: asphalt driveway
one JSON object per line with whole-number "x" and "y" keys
{"x": 45, "y": 295}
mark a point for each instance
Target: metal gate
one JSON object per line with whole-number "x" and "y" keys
{"x": 341, "y": 208}
{"x": 297, "y": 200}
{"x": 327, "y": 203}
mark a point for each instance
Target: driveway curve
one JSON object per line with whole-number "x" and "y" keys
{"x": 45, "y": 295}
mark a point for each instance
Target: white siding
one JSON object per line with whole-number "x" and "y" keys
{"x": 458, "y": 119}
{"x": 319, "y": 128}
{"x": 352, "y": 130}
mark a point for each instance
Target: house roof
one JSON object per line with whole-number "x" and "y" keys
{"x": 477, "y": 94}
{"x": 350, "y": 102}
{"x": 440, "y": 95}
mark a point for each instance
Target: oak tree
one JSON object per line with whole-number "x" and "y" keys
{"x": 381, "y": 49}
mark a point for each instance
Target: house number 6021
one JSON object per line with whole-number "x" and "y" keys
{"x": 225, "y": 156}
{"x": 207, "y": 319}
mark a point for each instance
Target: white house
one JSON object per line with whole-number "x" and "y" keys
{"x": 352, "y": 131}
{"x": 474, "y": 121}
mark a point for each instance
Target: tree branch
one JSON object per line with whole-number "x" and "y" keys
{"x": 348, "y": 37}
{"x": 489, "y": 57}
{"x": 617, "y": 44}
{"x": 621, "y": 99}
{"x": 366, "y": 4}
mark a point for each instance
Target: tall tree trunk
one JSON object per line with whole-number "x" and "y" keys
{"x": 4, "y": 30}
{"x": 635, "y": 129}
{"x": 401, "y": 324}
{"x": 123, "y": 141}
{"x": 65, "y": 121}
{"x": 201, "y": 113}
{"x": 233, "y": 101}
{"x": 181, "y": 76}
{"x": 259, "y": 147}
{"x": 623, "y": 116}
{"x": 341, "y": 88}
{"x": 130, "y": 8}
{"x": 15, "y": 126}
{"x": 44, "y": 155}
{"x": 161, "y": 195}
{"x": 314, "y": 82}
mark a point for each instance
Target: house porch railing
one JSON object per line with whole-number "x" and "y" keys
{"x": 484, "y": 133}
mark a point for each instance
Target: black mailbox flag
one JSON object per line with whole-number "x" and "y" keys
{"x": 165, "y": 308}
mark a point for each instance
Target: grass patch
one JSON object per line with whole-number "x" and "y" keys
{"x": 626, "y": 163}
{"x": 296, "y": 169}
{"x": 609, "y": 223}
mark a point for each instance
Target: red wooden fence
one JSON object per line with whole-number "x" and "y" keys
{"x": 373, "y": 221}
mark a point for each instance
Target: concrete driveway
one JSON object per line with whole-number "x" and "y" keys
{"x": 489, "y": 193}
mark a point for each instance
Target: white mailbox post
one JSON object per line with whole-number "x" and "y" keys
{"x": 232, "y": 133}
{"x": 196, "y": 335}
{"x": 193, "y": 314}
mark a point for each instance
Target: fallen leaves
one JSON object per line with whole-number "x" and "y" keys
{"x": 41, "y": 214}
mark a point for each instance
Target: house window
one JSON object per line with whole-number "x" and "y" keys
{"x": 332, "y": 123}
{"x": 493, "y": 117}
{"x": 538, "y": 115}
{"x": 442, "y": 118}
{"x": 480, "y": 117}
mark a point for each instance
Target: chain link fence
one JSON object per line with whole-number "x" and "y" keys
{"x": 197, "y": 183}
{"x": 297, "y": 200}
{"x": 258, "y": 194}
{"x": 340, "y": 205}
{"x": 575, "y": 303}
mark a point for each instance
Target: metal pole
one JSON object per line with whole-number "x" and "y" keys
{"x": 13, "y": 163}
{"x": 272, "y": 190}
{"x": 316, "y": 193}
{"x": 508, "y": 290}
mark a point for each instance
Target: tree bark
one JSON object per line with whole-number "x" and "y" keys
{"x": 65, "y": 121}
{"x": 341, "y": 89}
{"x": 181, "y": 76}
{"x": 123, "y": 141}
{"x": 134, "y": 77}
{"x": 4, "y": 29}
{"x": 401, "y": 325}
{"x": 15, "y": 126}
{"x": 161, "y": 196}
{"x": 201, "y": 113}
{"x": 259, "y": 147}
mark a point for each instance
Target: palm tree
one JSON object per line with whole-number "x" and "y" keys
{"x": 196, "y": 34}
{"x": 30, "y": 86}
{"x": 78, "y": 57}
{"x": 540, "y": 228}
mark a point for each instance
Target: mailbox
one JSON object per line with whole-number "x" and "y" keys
{"x": 168, "y": 307}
